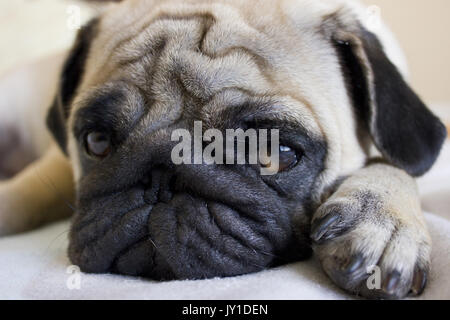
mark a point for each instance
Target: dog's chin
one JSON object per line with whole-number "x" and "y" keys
{"x": 182, "y": 237}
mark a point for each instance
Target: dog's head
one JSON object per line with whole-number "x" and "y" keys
{"x": 147, "y": 68}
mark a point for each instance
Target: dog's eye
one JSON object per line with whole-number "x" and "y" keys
{"x": 98, "y": 144}
{"x": 288, "y": 158}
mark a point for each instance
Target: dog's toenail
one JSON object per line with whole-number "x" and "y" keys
{"x": 392, "y": 282}
{"x": 353, "y": 265}
{"x": 321, "y": 226}
{"x": 419, "y": 282}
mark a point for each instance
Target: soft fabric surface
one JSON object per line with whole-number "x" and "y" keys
{"x": 35, "y": 265}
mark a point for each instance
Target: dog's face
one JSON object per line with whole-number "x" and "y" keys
{"x": 144, "y": 69}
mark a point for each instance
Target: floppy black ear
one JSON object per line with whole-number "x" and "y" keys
{"x": 70, "y": 79}
{"x": 403, "y": 129}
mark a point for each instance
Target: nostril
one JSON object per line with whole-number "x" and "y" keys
{"x": 166, "y": 189}
{"x": 152, "y": 189}
{"x": 173, "y": 183}
{"x": 159, "y": 186}
{"x": 146, "y": 181}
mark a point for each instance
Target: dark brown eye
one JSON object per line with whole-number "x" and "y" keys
{"x": 98, "y": 144}
{"x": 288, "y": 158}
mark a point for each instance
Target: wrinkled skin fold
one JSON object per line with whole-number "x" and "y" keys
{"x": 163, "y": 231}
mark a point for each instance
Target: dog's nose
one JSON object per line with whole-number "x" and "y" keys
{"x": 159, "y": 184}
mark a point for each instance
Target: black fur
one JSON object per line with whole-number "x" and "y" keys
{"x": 404, "y": 130}
{"x": 71, "y": 75}
{"x": 138, "y": 214}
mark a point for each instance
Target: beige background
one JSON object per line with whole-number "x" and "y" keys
{"x": 422, "y": 27}
{"x": 30, "y": 29}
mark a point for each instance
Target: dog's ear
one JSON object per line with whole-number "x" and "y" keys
{"x": 71, "y": 75}
{"x": 403, "y": 129}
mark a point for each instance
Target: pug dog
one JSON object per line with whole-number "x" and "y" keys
{"x": 353, "y": 136}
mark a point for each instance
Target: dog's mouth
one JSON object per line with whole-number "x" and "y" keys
{"x": 183, "y": 233}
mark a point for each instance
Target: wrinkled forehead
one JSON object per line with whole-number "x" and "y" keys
{"x": 206, "y": 52}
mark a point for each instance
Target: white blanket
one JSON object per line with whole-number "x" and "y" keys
{"x": 35, "y": 265}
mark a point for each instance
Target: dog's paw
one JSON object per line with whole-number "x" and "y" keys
{"x": 369, "y": 249}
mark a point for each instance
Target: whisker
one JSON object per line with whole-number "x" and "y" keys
{"x": 55, "y": 239}
{"x": 49, "y": 183}
{"x": 153, "y": 243}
